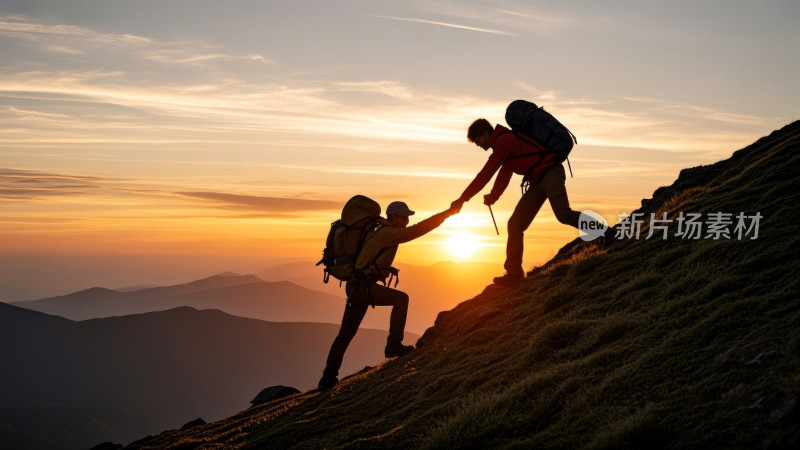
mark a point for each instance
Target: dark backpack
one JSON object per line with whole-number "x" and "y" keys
{"x": 527, "y": 120}
{"x": 360, "y": 216}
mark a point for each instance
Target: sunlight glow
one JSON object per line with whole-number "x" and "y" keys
{"x": 462, "y": 244}
{"x": 469, "y": 220}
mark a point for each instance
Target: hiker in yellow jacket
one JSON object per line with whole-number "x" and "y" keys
{"x": 374, "y": 264}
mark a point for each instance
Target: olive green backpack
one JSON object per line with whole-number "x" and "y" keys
{"x": 360, "y": 216}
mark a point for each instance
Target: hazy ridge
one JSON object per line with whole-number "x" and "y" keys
{"x": 286, "y": 293}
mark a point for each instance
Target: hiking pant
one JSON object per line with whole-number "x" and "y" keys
{"x": 551, "y": 187}
{"x": 358, "y": 301}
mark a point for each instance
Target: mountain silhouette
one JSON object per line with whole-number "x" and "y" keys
{"x": 102, "y": 302}
{"x": 287, "y": 293}
{"x": 68, "y": 384}
{"x": 240, "y": 295}
{"x": 667, "y": 342}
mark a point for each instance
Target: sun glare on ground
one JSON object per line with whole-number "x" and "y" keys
{"x": 462, "y": 244}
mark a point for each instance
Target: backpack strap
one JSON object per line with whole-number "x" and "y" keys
{"x": 574, "y": 139}
{"x": 529, "y": 141}
{"x": 526, "y": 179}
{"x": 372, "y": 265}
{"x": 371, "y": 226}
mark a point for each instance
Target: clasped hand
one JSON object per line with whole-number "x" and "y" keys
{"x": 455, "y": 207}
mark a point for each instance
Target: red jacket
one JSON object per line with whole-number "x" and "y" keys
{"x": 504, "y": 145}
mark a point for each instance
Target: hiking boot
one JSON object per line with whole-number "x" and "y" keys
{"x": 509, "y": 279}
{"x": 327, "y": 382}
{"x": 398, "y": 349}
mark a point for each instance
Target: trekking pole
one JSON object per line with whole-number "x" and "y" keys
{"x": 493, "y": 221}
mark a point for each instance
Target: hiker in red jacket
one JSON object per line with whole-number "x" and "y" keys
{"x": 545, "y": 181}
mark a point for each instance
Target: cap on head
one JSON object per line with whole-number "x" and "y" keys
{"x": 398, "y": 208}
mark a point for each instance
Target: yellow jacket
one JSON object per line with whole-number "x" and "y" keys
{"x": 388, "y": 237}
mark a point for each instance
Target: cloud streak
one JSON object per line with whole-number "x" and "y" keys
{"x": 514, "y": 19}
{"x": 25, "y": 185}
{"x": 77, "y": 40}
{"x": 407, "y": 172}
{"x": 22, "y": 186}
{"x": 444, "y": 24}
{"x": 266, "y": 204}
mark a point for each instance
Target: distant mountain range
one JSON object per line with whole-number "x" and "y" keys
{"x": 68, "y": 384}
{"x": 240, "y": 295}
{"x": 287, "y": 293}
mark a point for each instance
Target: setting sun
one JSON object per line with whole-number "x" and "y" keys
{"x": 462, "y": 244}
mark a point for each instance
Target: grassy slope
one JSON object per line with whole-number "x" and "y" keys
{"x": 651, "y": 343}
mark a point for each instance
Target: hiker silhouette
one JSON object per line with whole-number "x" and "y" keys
{"x": 374, "y": 265}
{"x": 544, "y": 179}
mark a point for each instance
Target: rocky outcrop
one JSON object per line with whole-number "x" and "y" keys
{"x": 273, "y": 393}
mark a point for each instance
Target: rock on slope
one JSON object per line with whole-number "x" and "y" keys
{"x": 651, "y": 343}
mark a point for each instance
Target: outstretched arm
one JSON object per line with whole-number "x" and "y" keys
{"x": 501, "y": 149}
{"x": 482, "y": 178}
{"x": 400, "y": 235}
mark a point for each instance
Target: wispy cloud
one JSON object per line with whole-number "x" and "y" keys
{"x": 511, "y": 18}
{"x": 22, "y": 186}
{"x": 388, "y": 88}
{"x": 26, "y": 185}
{"x": 444, "y": 24}
{"x": 711, "y": 114}
{"x": 77, "y": 40}
{"x": 406, "y": 172}
{"x": 537, "y": 16}
{"x": 234, "y": 108}
{"x": 267, "y": 204}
